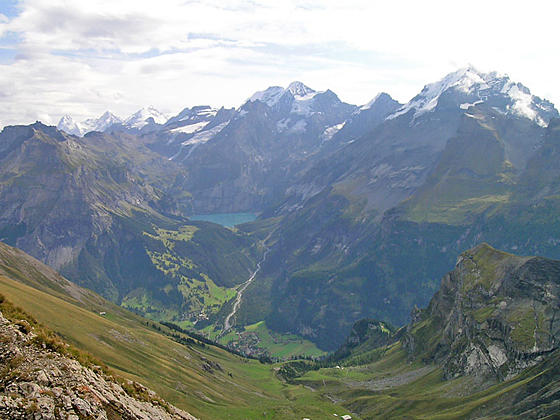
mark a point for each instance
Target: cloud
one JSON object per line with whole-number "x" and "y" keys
{"x": 85, "y": 57}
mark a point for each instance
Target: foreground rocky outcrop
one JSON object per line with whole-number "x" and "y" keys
{"x": 39, "y": 383}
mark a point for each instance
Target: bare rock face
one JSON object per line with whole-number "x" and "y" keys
{"x": 37, "y": 383}
{"x": 495, "y": 315}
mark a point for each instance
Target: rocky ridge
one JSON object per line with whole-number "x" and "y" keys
{"x": 39, "y": 383}
{"x": 495, "y": 315}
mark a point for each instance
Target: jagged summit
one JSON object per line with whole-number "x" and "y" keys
{"x": 272, "y": 95}
{"x": 68, "y": 125}
{"x": 299, "y": 89}
{"x": 145, "y": 116}
{"x": 380, "y": 97}
{"x": 471, "y": 87}
{"x": 106, "y": 120}
{"x": 137, "y": 120}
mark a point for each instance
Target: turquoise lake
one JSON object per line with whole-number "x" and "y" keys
{"x": 225, "y": 219}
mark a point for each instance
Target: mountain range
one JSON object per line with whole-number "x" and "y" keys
{"x": 144, "y": 117}
{"x": 362, "y": 208}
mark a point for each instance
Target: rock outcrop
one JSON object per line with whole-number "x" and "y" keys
{"x": 39, "y": 383}
{"x": 495, "y": 315}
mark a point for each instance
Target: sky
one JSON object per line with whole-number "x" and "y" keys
{"x": 85, "y": 57}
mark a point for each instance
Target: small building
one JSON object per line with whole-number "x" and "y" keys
{"x": 103, "y": 313}
{"x": 346, "y": 417}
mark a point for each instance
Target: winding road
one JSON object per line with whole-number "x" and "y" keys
{"x": 228, "y": 323}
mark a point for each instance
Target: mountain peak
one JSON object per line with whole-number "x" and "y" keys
{"x": 109, "y": 114}
{"x": 270, "y": 96}
{"x": 68, "y": 125}
{"x": 471, "y": 87}
{"x": 380, "y": 97}
{"x": 66, "y": 118}
{"x": 142, "y": 117}
{"x": 299, "y": 89}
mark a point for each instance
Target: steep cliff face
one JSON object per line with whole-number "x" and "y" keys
{"x": 495, "y": 315}
{"x": 37, "y": 382}
{"x": 57, "y": 190}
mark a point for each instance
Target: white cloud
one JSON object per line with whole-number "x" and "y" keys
{"x": 85, "y": 57}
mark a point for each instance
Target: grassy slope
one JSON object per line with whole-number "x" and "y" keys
{"x": 472, "y": 176}
{"x": 137, "y": 351}
{"x": 393, "y": 387}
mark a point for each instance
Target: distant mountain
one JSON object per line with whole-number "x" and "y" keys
{"x": 468, "y": 87}
{"x": 247, "y": 162}
{"x": 144, "y": 117}
{"x": 68, "y": 125}
{"x": 102, "y": 123}
{"x": 366, "y": 118}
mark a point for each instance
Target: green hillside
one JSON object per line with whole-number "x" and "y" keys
{"x": 206, "y": 381}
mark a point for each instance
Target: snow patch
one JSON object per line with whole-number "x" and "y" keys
{"x": 211, "y": 112}
{"x": 303, "y": 107}
{"x": 331, "y": 131}
{"x": 191, "y": 128}
{"x": 198, "y": 139}
{"x": 523, "y": 104}
{"x": 204, "y": 136}
{"x": 467, "y": 105}
{"x": 270, "y": 96}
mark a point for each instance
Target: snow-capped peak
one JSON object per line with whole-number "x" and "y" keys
{"x": 462, "y": 79}
{"x": 299, "y": 90}
{"x": 68, "y": 125}
{"x": 66, "y": 119}
{"x": 270, "y": 96}
{"x": 379, "y": 96}
{"x": 106, "y": 120}
{"x": 475, "y": 87}
{"x": 141, "y": 118}
{"x": 102, "y": 123}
